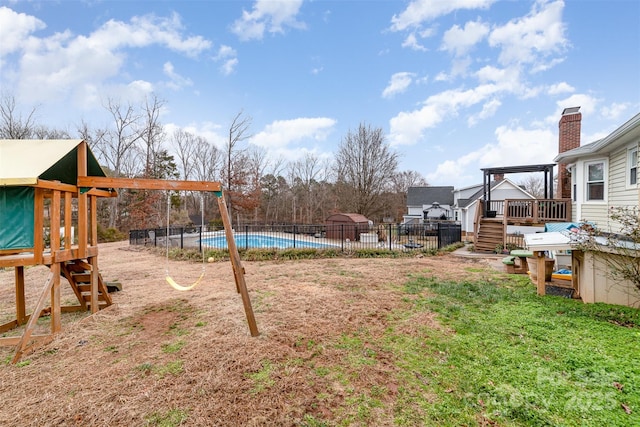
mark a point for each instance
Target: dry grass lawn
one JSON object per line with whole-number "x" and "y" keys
{"x": 164, "y": 357}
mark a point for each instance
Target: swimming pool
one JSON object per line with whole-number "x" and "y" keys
{"x": 248, "y": 240}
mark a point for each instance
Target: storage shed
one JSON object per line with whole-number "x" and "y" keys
{"x": 343, "y": 226}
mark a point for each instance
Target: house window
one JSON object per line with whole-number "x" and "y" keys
{"x": 595, "y": 181}
{"x": 632, "y": 155}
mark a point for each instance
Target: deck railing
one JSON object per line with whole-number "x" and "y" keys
{"x": 531, "y": 211}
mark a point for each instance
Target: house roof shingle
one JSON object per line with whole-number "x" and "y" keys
{"x": 419, "y": 196}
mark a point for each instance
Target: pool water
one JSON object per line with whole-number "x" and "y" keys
{"x": 246, "y": 241}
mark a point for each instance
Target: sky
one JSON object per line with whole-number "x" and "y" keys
{"x": 455, "y": 85}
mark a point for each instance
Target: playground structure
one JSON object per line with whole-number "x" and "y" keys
{"x": 39, "y": 180}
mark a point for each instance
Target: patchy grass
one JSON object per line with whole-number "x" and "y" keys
{"x": 170, "y": 418}
{"x": 512, "y": 358}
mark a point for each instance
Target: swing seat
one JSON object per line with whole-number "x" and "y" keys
{"x": 178, "y": 287}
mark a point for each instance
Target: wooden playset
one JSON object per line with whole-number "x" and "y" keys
{"x": 48, "y": 216}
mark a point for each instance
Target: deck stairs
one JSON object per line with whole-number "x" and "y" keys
{"x": 78, "y": 274}
{"x": 490, "y": 234}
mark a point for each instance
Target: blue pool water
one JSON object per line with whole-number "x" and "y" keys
{"x": 246, "y": 241}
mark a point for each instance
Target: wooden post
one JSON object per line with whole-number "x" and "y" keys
{"x": 83, "y": 221}
{"x": 94, "y": 220}
{"x": 54, "y": 233}
{"x": 238, "y": 269}
{"x": 68, "y": 239}
{"x": 94, "y": 284}
{"x": 541, "y": 273}
{"x": 20, "y": 304}
{"x": 38, "y": 231}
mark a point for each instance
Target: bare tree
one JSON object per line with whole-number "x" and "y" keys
{"x": 364, "y": 166}
{"x": 235, "y": 158}
{"x": 306, "y": 174}
{"x": 116, "y": 147}
{"x": 152, "y": 134}
{"x": 534, "y": 185}
{"x": 186, "y": 145}
{"x": 12, "y": 124}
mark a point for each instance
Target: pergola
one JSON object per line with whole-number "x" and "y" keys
{"x": 546, "y": 168}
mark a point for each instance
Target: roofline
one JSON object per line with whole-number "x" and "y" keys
{"x": 596, "y": 146}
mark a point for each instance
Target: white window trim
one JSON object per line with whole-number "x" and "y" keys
{"x": 605, "y": 176}
{"x": 574, "y": 183}
{"x": 627, "y": 175}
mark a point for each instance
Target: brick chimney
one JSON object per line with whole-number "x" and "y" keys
{"x": 498, "y": 177}
{"x": 568, "y": 139}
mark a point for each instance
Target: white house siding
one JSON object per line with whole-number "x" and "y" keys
{"x": 619, "y": 193}
{"x": 465, "y": 193}
{"x": 414, "y": 211}
{"x": 597, "y": 214}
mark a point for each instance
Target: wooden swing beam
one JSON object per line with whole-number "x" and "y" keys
{"x": 211, "y": 186}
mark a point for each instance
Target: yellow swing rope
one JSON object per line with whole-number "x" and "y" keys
{"x": 170, "y": 280}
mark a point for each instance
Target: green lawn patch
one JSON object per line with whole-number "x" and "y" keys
{"x": 511, "y": 357}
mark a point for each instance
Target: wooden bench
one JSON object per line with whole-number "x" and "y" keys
{"x": 509, "y": 264}
{"x": 521, "y": 266}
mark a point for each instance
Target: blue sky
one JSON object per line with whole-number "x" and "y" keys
{"x": 455, "y": 85}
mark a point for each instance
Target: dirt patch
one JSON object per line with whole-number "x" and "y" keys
{"x": 160, "y": 354}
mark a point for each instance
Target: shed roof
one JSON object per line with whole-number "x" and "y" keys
{"x": 354, "y": 217}
{"x": 24, "y": 161}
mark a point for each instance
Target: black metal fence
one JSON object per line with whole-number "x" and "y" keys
{"x": 343, "y": 237}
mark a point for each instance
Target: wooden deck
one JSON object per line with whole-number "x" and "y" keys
{"x": 490, "y": 227}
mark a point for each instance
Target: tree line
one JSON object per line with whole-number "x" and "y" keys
{"x": 362, "y": 177}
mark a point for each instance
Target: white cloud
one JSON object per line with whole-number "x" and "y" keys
{"x": 488, "y": 110}
{"x": 398, "y": 84}
{"x": 176, "y": 81}
{"x": 460, "y": 40}
{"x": 533, "y": 146}
{"x": 560, "y": 88}
{"x": 412, "y": 43}
{"x": 587, "y": 105}
{"x": 533, "y": 38}
{"x": 282, "y": 133}
{"x": 615, "y": 110}
{"x": 228, "y": 56}
{"x": 64, "y": 65}
{"x": 419, "y": 11}
{"x": 407, "y": 128}
{"x": 15, "y": 28}
{"x": 267, "y": 15}
{"x": 149, "y": 30}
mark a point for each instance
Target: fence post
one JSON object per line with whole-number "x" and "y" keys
{"x": 342, "y": 237}
{"x": 200, "y": 245}
{"x": 389, "y": 236}
{"x": 246, "y": 237}
{"x": 295, "y": 228}
{"x": 181, "y": 237}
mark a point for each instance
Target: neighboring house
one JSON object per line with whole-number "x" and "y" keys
{"x": 597, "y": 177}
{"x": 426, "y": 204}
{"x": 603, "y": 174}
{"x": 466, "y": 199}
